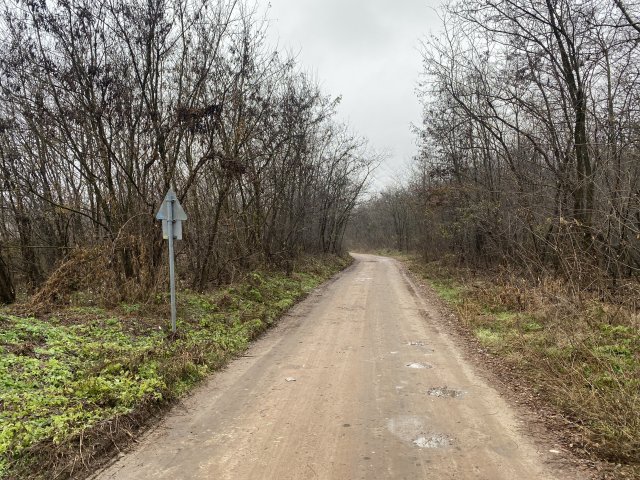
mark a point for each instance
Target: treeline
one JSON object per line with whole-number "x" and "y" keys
{"x": 530, "y": 148}
{"x": 105, "y": 104}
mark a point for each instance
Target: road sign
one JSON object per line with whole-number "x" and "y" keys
{"x": 172, "y": 215}
{"x": 178, "y": 215}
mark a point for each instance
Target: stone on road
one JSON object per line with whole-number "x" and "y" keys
{"x": 366, "y": 356}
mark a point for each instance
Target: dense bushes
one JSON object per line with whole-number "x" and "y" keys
{"x": 105, "y": 105}
{"x": 529, "y": 141}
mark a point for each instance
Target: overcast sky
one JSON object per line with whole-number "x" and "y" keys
{"x": 366, "y": 51}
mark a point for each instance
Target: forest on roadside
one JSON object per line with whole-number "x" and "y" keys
{"x": 529, "y": 143}
{"x": 106, "y": 104}
{"x": 522, "y": 208}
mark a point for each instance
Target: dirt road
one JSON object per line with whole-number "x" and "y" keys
{"x": 350, "y": 385}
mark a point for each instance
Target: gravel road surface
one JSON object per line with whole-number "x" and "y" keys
{"x": 356, "y": 382}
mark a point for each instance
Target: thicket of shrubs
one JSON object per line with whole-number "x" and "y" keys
{"x": 104, "y": 105}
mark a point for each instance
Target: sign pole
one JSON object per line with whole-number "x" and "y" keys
{"x": 172, "y": 273}
{"x": 172, "y": 215}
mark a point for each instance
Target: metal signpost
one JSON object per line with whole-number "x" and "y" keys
{"x": 172, "y": 215}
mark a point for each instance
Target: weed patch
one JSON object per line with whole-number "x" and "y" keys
{"x": 81, "y": 370}
{"x": 448, "y": 291}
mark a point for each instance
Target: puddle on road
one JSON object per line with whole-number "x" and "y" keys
{"x": 432, "y": 441}
{"x": 445, "y": 392}
{"x": 417, "y": 344}
{"x": 414, "y": 430}
{"x": 419, "y": 365}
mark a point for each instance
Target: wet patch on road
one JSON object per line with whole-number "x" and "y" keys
{"x": 445, "y": 392}
{"x": 437, "y": 440}
{"x": 412, "y": 430}
{"x": 418, "y": 365}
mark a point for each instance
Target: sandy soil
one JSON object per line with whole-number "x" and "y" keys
{"x": 357, "y": 382}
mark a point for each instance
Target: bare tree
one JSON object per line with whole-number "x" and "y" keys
{"x": 106, "y": 104}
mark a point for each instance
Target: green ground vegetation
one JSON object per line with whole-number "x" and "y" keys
{"x": 75, "y": 370}
{"x": 578, "y": 352}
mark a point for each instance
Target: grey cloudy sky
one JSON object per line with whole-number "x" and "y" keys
{"x": 366, "y": 51}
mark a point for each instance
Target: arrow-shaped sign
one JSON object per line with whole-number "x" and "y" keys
{"x": 178, "y": 212}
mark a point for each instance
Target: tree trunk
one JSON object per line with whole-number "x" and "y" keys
{"x": 7, "y": 290}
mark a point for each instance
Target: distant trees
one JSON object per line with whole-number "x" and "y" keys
{"x": 105, "y": 104}
{"x": 530, "y": 138}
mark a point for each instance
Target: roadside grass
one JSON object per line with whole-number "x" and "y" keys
{"x": 76, "y": 383}
{"x": 581, "y": 355}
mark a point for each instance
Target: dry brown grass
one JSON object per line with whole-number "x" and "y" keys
{"x": 577, "y": 349}
{"x": 104, "y": 274}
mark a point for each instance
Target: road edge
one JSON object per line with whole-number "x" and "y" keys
{"x": 545, "y": 426}
{"x": 154, "y": 420}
